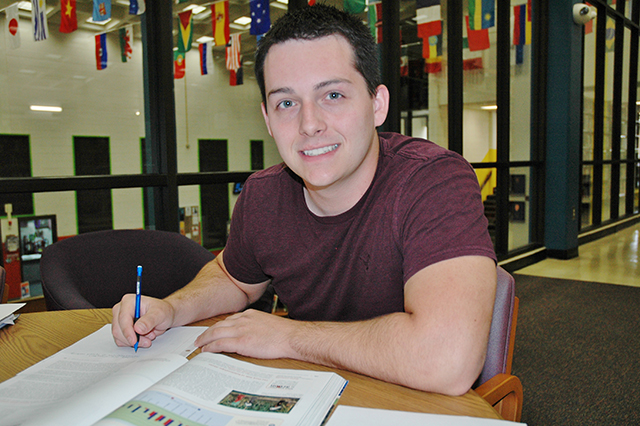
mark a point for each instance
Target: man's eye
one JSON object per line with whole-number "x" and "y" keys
{"x": 285, "y": 104}
{"x": 335, "y": 95}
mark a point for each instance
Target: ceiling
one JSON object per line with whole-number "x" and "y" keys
{"x": 202, "y": 21}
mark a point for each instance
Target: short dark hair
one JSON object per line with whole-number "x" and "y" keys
{"x": 321, "y": 20}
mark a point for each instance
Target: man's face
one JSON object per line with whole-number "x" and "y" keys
{"x": 320, "y": 113}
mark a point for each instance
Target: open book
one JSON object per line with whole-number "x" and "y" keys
{"x": 96, "y": 382}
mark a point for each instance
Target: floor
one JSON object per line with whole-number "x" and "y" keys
{"x": 612, "y": 259}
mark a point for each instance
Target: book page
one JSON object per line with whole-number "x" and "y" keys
{"x": 357, "y": 416}
{"x": 85, "y": 381}
{"x": 213, "y": 389}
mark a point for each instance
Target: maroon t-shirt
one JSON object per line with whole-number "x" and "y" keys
{"x": 423, "y": 206}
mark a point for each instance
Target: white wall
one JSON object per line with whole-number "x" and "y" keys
{"x": 61, "y": 71}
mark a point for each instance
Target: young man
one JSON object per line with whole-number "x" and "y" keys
{"x": 377, "y": 243}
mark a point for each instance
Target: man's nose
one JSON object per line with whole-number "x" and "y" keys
{"x": 311, "y": 120}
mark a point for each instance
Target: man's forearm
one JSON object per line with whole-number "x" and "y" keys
{"x": 210, "y": 293}
{"x": 393, "y": 348}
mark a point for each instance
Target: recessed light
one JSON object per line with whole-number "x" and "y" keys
{"x": 204, "y": 39}
{"x": 45, "y": 108}
{"x": 196, "y": 8}
{"x": 243, "y": 20}
{"x": 489, "y": 107}
{"x": 105, "y": 22}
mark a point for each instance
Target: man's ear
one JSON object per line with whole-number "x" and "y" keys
{"x": 266, "y": 117}
{"x": 381, "y": 104}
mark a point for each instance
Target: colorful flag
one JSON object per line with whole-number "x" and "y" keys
{"x": 375, "y": 20}
{"x": 185, "y": 35}
{"x": 260, "y": 17}
{"x": 178, "y": 64}
{"x": 433, "y": 48}
{"x": 236, "y": 77}
{"x": 68, "y": 18}
{"x": 428, "y": 18}
{"x": 233, "y": 52}
{"x": 137, "y": 7}
{"x": 481, "y": 14}
{"x": 12, "y": 25}
{"x": 610, "y": 35}
{"x": 126, "y": 42}
{"x": 477, "y": 39}
{"x": 354, "y": 6}
{"x": 206, "y": 58}
{"x": 472, "y": 64}
{"x": 101, "y": 10}
{"x": 101, "y": 51}
{"x": 220, "y": 22}
{"x": 433, "y": 65}
{"x": 39, "y": 20}
{"x": 521, "y": 25}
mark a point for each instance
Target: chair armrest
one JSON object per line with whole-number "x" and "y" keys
{"x": 504, "y": 393}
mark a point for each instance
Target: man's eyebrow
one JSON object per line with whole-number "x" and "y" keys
{"x": 331, "y": 82}
{"x": 285, "y": 90}
{"x": 319, "y": 86}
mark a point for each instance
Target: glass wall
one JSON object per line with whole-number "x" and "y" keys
{"x": 609, "y": 157}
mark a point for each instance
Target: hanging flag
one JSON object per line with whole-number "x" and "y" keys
{"x": 260, "y": 17}
{"x": 126, "y": 42}
{"x": 185, "y": 35}
{"x": 375, "y": 19}
{"x": 428, "y": 18}
{"x": 178, "y": 64}
{"x": 433, "y": 48}
{"x": 236, "y": 77}
{"x": 12, "y": 25}
{"x": 477, "y": 39}
{"x": 68, "y": 18}
{"x": 39, "y": 20}
{"x": 354, "y": 6}
{"x": 233, "y": 52}
{"x": 206, "y": 58}
{"x": 101, "y": 51}
{"x": 610, "y": 35}
{"x": 101, "y": 10}
{"x": 433, "y": 65}
{"x": 521, "y": 25}
{"x": 137, "y": 7}
{"x": 481, "y": 14}
{"x": 220, "y": 22}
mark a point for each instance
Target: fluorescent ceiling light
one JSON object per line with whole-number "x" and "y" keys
{"x": 105, "y": 22}
{"x": 204, "y": 39}
{"x": 283, "y": 1}
{"x": 243, "y": 20}
{"x": 489, "y": 107}
{"x": 280, "y": 4}
{"x": 196, "y": 8}
{"x": 25, "y": 5}
{"x": 45, "y": 108}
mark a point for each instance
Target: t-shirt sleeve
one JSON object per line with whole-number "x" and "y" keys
{"x": 440, "y": 215}
{"x": 239, "y": 256}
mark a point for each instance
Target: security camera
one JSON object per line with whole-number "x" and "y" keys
{"x": 583, "y": 13}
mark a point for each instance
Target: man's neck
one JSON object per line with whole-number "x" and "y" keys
{"x": 342, "y": 196}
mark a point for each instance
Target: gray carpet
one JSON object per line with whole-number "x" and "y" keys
{"x": 577, "y": 352}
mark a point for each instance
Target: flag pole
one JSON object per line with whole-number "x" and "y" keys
{"x": 186, "y": 110}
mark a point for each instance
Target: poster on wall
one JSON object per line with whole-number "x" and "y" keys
{"x": 190, "y": 223}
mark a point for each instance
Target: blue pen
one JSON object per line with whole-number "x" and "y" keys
{"x": 137, "y": 305}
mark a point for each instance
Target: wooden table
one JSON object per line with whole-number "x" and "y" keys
{"x": 36, "y": 336}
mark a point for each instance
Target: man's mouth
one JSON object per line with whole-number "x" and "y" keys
{"x": 320, "y": 151}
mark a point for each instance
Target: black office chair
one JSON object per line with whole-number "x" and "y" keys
{"x": 94, "y": 270}
{"x": 4, "y": 288}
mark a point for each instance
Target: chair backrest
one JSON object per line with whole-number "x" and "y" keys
{"x": 94, "y": 270}
{"x": 4, "y": 289}
{"x": 503, "y": 327}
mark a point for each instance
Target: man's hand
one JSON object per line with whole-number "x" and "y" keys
{"x": 251, "y": 333}
{"x": 156, "y": 317}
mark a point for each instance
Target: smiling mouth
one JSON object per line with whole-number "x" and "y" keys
{"x": 320, "y": 151}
